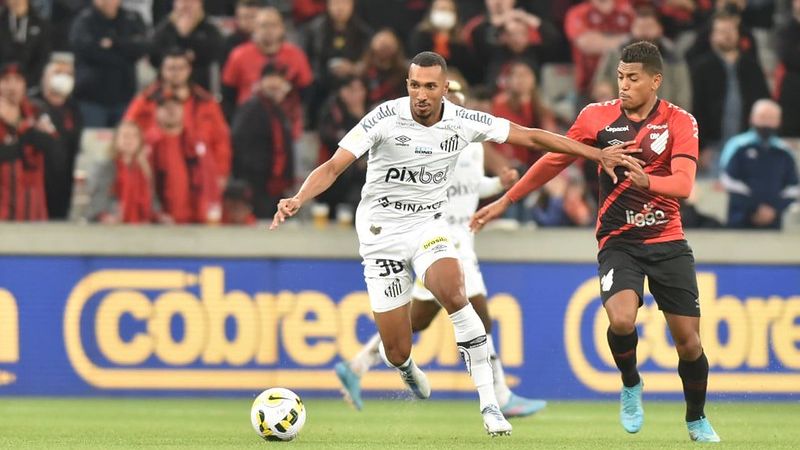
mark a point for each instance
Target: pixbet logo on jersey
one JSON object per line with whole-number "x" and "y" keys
{"x": 647, "y": 217}
{"x": 417, "y": 175}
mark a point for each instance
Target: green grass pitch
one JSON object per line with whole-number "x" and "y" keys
{"x": 224, "y": 423}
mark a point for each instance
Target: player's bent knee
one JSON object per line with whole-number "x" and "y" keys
{"x": 396, "y": 354}
{"x": 688, "y": 348}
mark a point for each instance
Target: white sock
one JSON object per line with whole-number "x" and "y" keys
{"x": 471, "y": 341}
{"x": 368, "y": 357}
{"x": 501, "y": 389}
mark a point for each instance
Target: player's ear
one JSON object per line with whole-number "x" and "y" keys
{"x": 446, "y": 87}
{"x": 657, "y": 79}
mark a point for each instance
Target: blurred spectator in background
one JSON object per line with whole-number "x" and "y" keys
{"x": 676, "y": 85}
{"x": 243, "y": 69}
{"x": 682, "y": 17}
{"x": 339, "y": 115}
{"x": 334, "y": 42}
{"x": 305, "y": 10}
{"x": 185, "y": 173}
{"x": 594, "y": 28}
{"x": 245, "y": 16}
{"x": 124, "y": 191}
{"x": 262, "y": 142}
{"x": 26, "y": 139}
{"x": 515, "y": 46}
{"x": 484, "y": 34}
{"x": 725, "y": 84}
{"x": 520, "y": 102}
{"x": 237, "y": 204}
{"x": 384, "y": 68}
{"x": 759, "y": 172}
{"x": 745, "y": 41}
{"x": 142, "y": 7}
{"x": 691, "y": 217}
{"x": 24, "y": 38}
{"x": 399, "y": 15}
{"x": 188, "y": 27}
{"x": 202, "y": 114}
{"x": 107, "y": 41}
{"x": 440, "y": 31}
{"x": 788, "y": 78}
{"x": 563, "y": 201}
{"x": 53, "y": 97}
{"x": 61, "y": 16}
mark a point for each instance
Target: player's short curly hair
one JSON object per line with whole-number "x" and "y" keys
{"x": 646, "y": 53}
{"x": 430, "y": 59}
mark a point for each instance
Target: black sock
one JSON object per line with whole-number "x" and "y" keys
{"x": 694, "y": 375}
{"x": 623, "y": 348}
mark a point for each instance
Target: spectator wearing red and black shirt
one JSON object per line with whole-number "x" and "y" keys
{"x": 787, "y": 84}
{"x": 185, "y": 173}
{"x": 519, "y": 102}
{"x": 201, "y": 112}
{"x": 384, "y": 68}
{"x": 595, "y": 27}
{"x": 54, "y": 99}
{"x": 262, "y": 143}
{"x": 639, "y": 226}
{"x": 26, "y": 139}
{"x": 242, "y": 71}
{"x": 484, "y": 34}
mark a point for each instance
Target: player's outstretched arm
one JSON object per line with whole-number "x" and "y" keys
{"x": 608, "y": 158}
{"x": 319, "y": 180}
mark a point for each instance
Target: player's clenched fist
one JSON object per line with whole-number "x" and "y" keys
{"x": 489, "y": 212}
{"x": 287, "y": 207}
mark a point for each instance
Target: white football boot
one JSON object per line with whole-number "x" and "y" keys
{"x": 494, "y": 422}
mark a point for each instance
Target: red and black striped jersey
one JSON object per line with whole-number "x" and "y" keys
{"x": 627, "y": 213}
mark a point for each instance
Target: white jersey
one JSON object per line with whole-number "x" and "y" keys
{"x": 410, "y": 166}
{"x": 470, "y": 184}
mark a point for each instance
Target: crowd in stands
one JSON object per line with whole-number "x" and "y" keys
{"x": 218, "y": 134}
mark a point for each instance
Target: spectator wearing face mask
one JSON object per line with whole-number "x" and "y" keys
{"x": 54, "y": 99}
{"x": 440, "y": 32}
{"x": 759, "y": 172}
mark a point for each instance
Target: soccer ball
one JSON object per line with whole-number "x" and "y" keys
{"x": 278, "y": 414}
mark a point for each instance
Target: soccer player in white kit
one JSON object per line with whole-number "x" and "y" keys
{"x": 469, "y": 184}
{"x": 413, "y": 143}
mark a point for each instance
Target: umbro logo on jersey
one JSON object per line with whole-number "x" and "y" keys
{"x": 450, "y": 145}
{"x": 615, "y": 142}
{"x": 402, "y": 140}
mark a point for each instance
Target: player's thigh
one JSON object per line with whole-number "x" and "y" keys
{"x": 621, "y": 286}
{"x": 389, "y": 281}
{"x": 422, "y": 313}
{"x": 436, "y": 262}
{"x": 672, "y": 278}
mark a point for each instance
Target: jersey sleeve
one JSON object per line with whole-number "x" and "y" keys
{"x": 686, "y": 143}
{"x": 583, "y": 129}
{"x": 481, "y": 127}
{"x": 367, "y": 133}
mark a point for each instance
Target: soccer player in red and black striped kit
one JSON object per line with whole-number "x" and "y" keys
{"x": 639, "y": 226}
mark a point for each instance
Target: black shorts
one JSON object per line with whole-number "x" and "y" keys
{"x": 669, "y": 267}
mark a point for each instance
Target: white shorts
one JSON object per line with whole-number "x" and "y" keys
{"x": 473, "y": 279}
{"x": 391, "y": 261}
